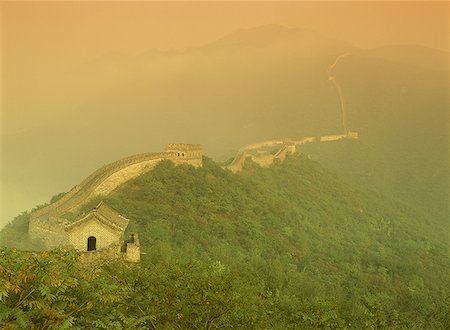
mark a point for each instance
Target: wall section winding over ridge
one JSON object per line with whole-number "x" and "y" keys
{"x": 287, "y": 147}
{"x": 84, "y": 190}
{"x": 49, "y": 224}
{"x": 108, "y": 177}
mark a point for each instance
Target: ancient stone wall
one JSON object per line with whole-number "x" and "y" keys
{"x": 186, "y": 153}
{"x": 107, "y": 178}
{"x": 104, "y": 235}
{"x": 48, "y": 231}
{"x": 334, "y": 137}
{"x": 133, "y": 250}
{"x": 263, "y": 160}
{"x": 85, "y": 189}
{"x": 46, "y": 225}
{"x": 122, "y": 175}
{"x": 288, "y": 147}
{"x": 309, "y": 139}
{"x": 112, "y": 252}
{"x": 352, "y": 135}
{"x": 238, "y": 162}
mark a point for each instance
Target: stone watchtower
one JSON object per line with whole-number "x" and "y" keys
{"x": 101, "y": 230}
{"x": 185, "y": 153}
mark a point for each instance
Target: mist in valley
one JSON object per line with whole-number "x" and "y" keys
{"x": 224, "y": 165}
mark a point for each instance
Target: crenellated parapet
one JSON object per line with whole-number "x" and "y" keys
{"x": 106, "y": 179}
{"x": 337, "y": 137}
{"x": 188, "y": 153}
{"x": 287, "y": 146}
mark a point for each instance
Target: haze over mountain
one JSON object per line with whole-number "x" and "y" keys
{"x": 251, "y": 85}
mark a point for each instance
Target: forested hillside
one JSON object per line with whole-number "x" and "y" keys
{"x": 290, "y": 246}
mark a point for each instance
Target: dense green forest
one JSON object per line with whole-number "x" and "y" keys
{"x": 286, "y": 247}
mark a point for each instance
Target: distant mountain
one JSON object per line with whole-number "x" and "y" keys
{"x": 272, "y": 37}
{"x": 254, "y": 84}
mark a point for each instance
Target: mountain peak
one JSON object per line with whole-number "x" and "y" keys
{"x": 270, "y": 35}
{"x": 268, "y": 28}
{"x": 259, "y": 34}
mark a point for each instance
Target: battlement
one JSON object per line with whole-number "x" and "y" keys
{"x": 288, "y": 146}
{"x": 288, "y": 143}
{"x": 185, "y": 153}
{"x": 108, "y": 177}
{"x": 183, "y": 146}
{"x": 48, "y": 224}
{"x": 131, "y": 248}
{"x": 336, "y": 137}
{"x": 185, "y": 150}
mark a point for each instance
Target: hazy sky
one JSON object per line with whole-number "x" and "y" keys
{"x": 44, "y": 43}
{"x": 41, "y": 40}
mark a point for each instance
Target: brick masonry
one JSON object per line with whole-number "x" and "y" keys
{"x": 49, "y": 226}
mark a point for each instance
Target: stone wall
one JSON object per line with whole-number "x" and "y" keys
{"x": 46, "y": 225}
{"x": 108, "y": 177}
{"x": 309, "y": 139}
{"x": 133, "y": 250}
{"x": 334, "y": 137}
{"x": 352, "y": 135}
{"x": 263, "y": 160}
{"x": 186, "y": 153}
{"x": 98, "y": 257}
{"x": 104, "y": 234}
{"x": 122, "y": 175}
{"x": 238, "y": 162}
{"x": 288, "y": 147}
{"x": 48, "y": 231}
{"x": 85, "y": 189}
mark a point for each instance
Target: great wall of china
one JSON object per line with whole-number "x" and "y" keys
{"x": 286, "y": 147}
{"x": 49, "y": 221}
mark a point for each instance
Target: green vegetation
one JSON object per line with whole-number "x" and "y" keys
{"x": 291, "y": 246}
{"x": 52, "y": 290}
{"x": 15, "y": 234}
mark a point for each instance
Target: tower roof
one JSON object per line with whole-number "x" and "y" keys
{"x": 104, "y": 214}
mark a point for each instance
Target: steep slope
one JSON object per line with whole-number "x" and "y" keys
{"x": 310, "y": 250}
{"x": 400, "y": 111}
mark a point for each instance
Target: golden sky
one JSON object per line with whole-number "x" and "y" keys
{"x": 43, "y": 40}
{"x": 60, "y": 33}
{"x": 42, "y": 43}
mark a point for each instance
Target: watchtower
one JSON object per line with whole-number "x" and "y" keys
{"x": 185, "y": 153}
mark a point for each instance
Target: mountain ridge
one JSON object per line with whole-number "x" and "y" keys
{"x": 294, "y": 236}
{"x": 256, "y": 95}
{"x": 267, "y": 34}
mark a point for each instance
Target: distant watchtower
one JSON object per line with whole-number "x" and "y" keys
{"x": 185, "y": 153}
